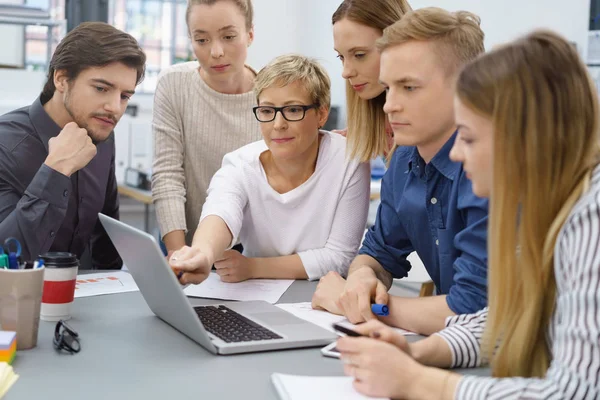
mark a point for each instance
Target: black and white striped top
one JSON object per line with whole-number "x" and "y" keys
{"x": 574, "y": 331}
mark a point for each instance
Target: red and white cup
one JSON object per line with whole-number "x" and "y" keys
{"x": 59, "y": 285}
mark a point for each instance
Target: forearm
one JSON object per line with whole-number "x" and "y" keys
{"x": 432, "y": 351}
{"x": 407, "y": 313}
{"x": 363, "y": 260}
{"x": 284, "y": 267}
{"x": 174, "y": 240}
{"x": 212, "y": 237}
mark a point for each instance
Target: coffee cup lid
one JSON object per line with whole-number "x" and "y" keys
{"x": 58, "y": 257}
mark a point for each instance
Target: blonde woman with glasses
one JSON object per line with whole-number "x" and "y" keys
{"x": 357, "y": 24}
{"x": 528, "y": 138}
{"x": 294, "y": 199}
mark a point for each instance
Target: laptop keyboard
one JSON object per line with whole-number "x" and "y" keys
{"x": 232, "y": 327}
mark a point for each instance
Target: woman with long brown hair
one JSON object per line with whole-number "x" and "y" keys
{"x": 357, "y": 24}
{"x": 202, "y": 111}
{"x": 528, "y": 138}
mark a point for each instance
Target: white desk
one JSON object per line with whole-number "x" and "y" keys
{"x": 128, "y": 353}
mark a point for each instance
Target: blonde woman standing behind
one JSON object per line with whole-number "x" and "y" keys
{"x": 528, "y": 137}
{"x": 357, "y": 24}
{"x": 202, "y": 110}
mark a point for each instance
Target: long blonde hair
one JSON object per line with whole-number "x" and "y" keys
{"x": 367, "y": 137}
{"x": 544, "y": 109}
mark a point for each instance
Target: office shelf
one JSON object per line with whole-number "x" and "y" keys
{"x": 49, "y": 23}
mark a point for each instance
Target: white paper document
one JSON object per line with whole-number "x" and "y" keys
{"x": 104, "y": 283}
{"x": 295, "y": 387}
{"x": 323, "y": 319}
{"x": 269, "y": 290}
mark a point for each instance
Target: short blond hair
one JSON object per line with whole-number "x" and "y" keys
{"x": 458, "y": 35}
{"x": 287, "y": 69}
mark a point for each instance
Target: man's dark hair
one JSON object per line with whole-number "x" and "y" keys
{"x": 94, "y": 44}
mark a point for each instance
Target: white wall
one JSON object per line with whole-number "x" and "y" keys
{"x": 298, "y": 26}
{"x": 305, "y": 26}
{"x": 504, "y": 20}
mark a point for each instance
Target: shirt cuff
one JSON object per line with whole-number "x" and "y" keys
{"x": 311, "y": 265}
{"x": 51, "y": 186}
{"x": 463, "y": 346}
{"x": 170, "y": 214}
{"x": 233, "y": 225}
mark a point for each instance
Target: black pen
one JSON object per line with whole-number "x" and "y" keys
{"x": 347, "y": 331}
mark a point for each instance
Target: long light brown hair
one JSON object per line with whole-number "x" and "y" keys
{"x": 245, "y": 7}
{"x": 544, "y": 109}
{"x": 367, "y": 137}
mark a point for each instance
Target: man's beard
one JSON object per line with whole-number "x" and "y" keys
{"x": 81, "y": 122}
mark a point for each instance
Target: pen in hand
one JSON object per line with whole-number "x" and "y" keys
{"x": 347, "y": 331}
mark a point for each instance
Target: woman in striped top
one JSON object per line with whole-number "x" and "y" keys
{"x": 528, "y": 136}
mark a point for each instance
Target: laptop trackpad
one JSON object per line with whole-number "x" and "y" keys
{"x": 277, "y": 318}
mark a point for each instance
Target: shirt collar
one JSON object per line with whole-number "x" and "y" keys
{"x": 441, "y": 161}
{"x": 44, "y": 126}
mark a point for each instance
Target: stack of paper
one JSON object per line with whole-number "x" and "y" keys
{"x": 7, "y": 378}
{"x": 269, "y": 290}
{"x": 294, "y": 387}
{"x": 104, "y": 283}
{"x": 8, "y": 346}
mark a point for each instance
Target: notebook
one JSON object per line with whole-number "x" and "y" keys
{"x": 296, "y": 387}
{"x": 7, "y": 378}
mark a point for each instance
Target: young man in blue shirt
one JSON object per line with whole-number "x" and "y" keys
{"x": 427, "y": 204}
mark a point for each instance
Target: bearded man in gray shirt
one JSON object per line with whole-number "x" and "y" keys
{"x": 57, "y": 156}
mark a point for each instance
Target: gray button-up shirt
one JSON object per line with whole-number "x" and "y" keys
{"x": 44, "y": 209}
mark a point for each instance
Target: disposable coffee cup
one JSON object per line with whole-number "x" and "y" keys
{"x": 20, "y": 301}
{"x": 59, "y": 285}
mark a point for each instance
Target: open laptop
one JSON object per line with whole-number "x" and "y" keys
{"x": 231, "y": 328}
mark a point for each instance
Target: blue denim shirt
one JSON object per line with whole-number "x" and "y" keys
{"x": 431, "y": 209}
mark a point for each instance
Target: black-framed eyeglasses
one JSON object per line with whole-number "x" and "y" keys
{"x": 65, "y": 338}
{"x": 292, "y": 113}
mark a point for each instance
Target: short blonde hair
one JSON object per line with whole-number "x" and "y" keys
{"x": 458, "y": 35}
{"x": 287, "y": 69}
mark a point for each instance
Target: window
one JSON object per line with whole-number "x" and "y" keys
{"x": 36, "y": 37}
{"x": 158, "y": 25}
{"x": 160, "y": 28}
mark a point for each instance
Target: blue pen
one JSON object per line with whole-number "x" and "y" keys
{"x": 380, "y": 309}
{"x": 40, "y": 263}
{"x": 12, "y": 261}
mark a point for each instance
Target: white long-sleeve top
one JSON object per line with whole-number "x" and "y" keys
{"x": 322, "y": 220}
{"x": 574, "y": 330}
